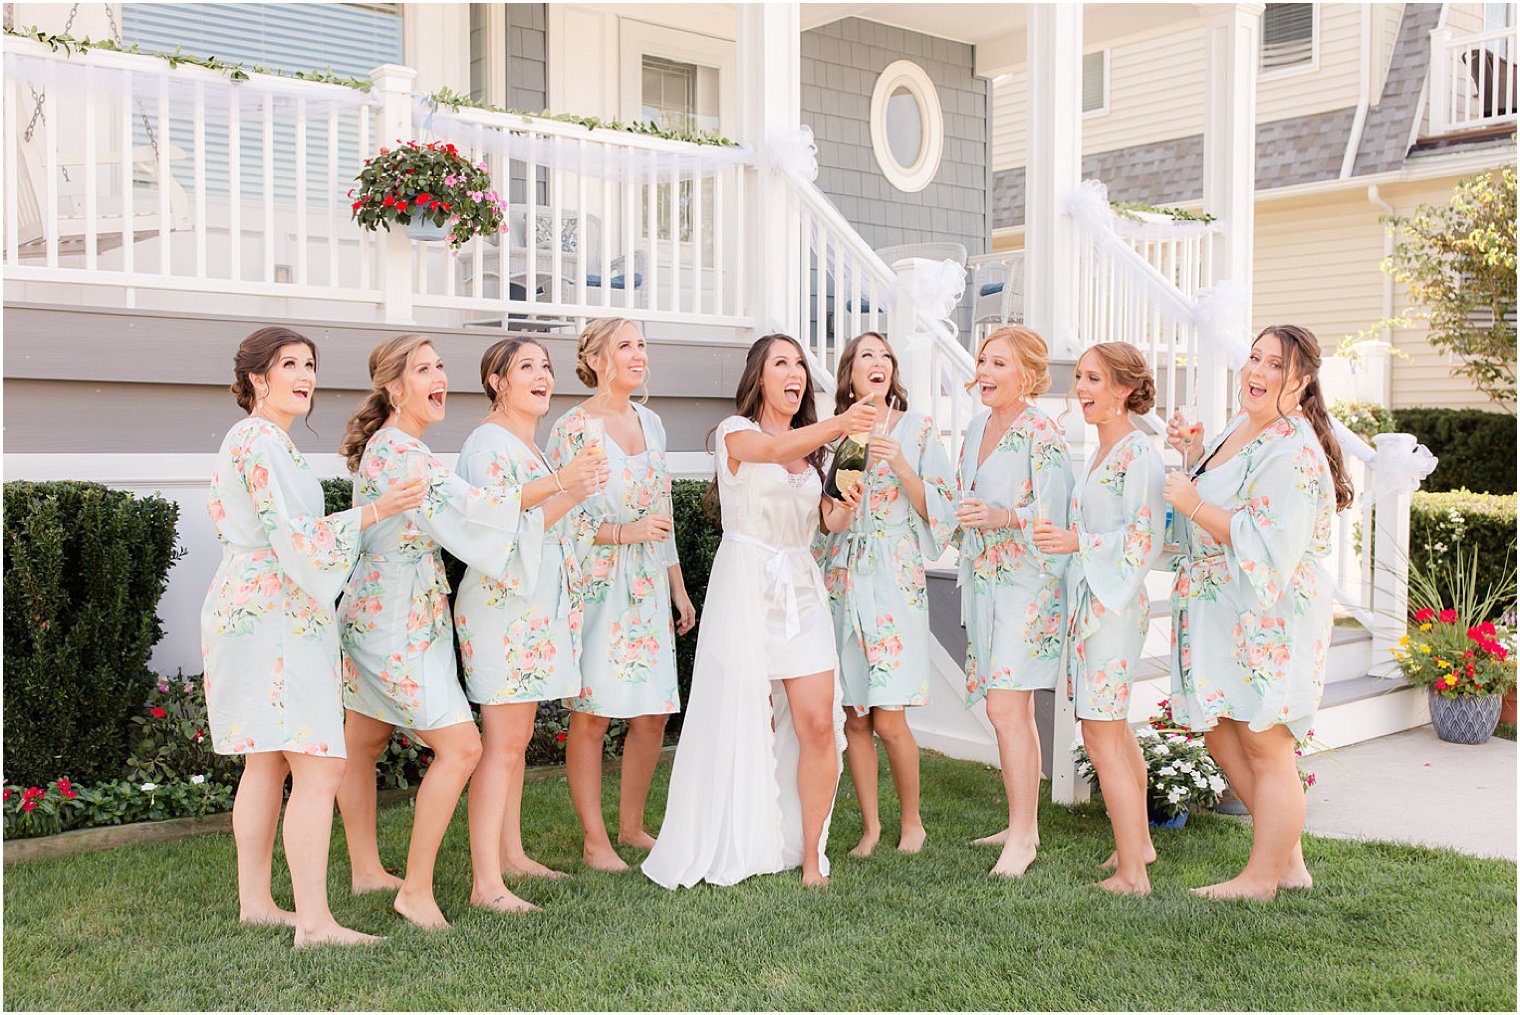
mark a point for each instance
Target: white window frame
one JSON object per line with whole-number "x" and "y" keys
{"x": 636, "y": 39}
{"x": 1107, "y": 68}
{"x": 909, "y": 75}
{"x": 1309, "y": 66}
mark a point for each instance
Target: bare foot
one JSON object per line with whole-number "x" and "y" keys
{"x": 424, "y": 912}
{"x": 995, "y": 839}
{"x": 1123, "y": 886}
{"x": 1238, "y": 888}
{"x": 334, "y": 934}
{"x": 813, "y": 879}
{"x": 273, "y": 916}
{"x": 604, "y": 858}
{"x": 1296, "y": 878}
{"x": 1015, "y": 859}
{"x": 638, "y": 840}
{"x": 384, "y": 881}
{"x": 912, "y": 839}
{"x": 502, "y": 901}
{"x": 1112, "y": 863}
{"x": 867, "y": 844}
{"x": 526, "y": 867}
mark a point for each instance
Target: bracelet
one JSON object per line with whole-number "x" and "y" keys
{"x": 558, "y": 482}
{"x": 376, "y": 510}
{"x": 617, "y": 535}
{"x": 1010, "y": 518}
{"x": 1195, "y": 510}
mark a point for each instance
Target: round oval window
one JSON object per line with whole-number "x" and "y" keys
{"x": 907, "y": 126}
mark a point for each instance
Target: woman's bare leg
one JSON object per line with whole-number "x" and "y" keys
{"x": 1012, "y": 716}
{"x": 456, "y": 751}
{"x": 308, "y": 836}
{"x": 1125, "y": 801}
{"x": 1135, "y": 761}
{"x": 255, "y": 817}
{"x": 811, "y": 700}
{"x": 860, "y": 755}
{"x": 1277, "y": 814}
{"x": 365, "y": 737}
{"x": 641, "y": 755}
{"x": 519, "y": 734}
{"x": 488, "y": 807}
{"x": 1225, "y": 746}
{"x": 891, "y": 724}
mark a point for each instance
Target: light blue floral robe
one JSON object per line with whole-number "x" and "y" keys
{"x": 269, "y": 637}
{"x": 398, "y": 637}
{"x": 1012, "y": 602}
{"x": 629, "y": 664}
{"x": 1119, "y": 512}
{"x": 1251, "y": 621}
{"x": 874, "y": 571}
{"x": 519, "y": 636}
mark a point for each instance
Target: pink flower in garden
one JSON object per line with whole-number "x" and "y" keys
{"x": 1447, "y": 616}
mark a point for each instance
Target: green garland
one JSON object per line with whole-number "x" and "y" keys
{"x": 235, "y": 71}
{"x": 1131, "y": 210}
{"x": 452, "y": 99}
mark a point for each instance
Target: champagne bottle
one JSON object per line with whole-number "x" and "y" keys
{"x": 849, "y": 468}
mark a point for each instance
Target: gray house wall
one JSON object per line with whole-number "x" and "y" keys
{"x": 527, "y": 81}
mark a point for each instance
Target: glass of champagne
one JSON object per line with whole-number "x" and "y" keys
{"x": 595, "y": 430}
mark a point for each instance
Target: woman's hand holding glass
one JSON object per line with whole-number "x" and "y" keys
{"x": 1185, "y": 434}
{"x": 400, "y": 496}
{"x": 586, "y": 473}
{"x": 975, "y": 513}
{"x": 649, "y": 529}
{"x": 1051, "y": 538}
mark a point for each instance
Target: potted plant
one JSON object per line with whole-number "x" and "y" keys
{"x": 1454, "y": 650}
{"x": 1179, "y": 772}
{"x": 430, "y": 190}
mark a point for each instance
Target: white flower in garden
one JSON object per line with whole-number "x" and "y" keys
{"x": 149, "y": 787}
{"x": 1187, "y": 766}
{"x": 1174, "y": 795}
{"x": 1216, "y": 784}
{"x": 197, "y": 779}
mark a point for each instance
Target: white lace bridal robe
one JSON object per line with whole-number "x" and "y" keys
{"x": 733, "y": 810}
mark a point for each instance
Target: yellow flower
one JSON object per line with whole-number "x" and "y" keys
{"x": 1425, "y": 648}
{"x": 1443, "y": 664}
{"x": 1424, "y": 627}
{"x": 1404, "y": 640}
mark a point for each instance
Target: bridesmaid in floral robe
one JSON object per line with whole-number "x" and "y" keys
{"x": 398, "y": 637}
{"x": 1117, "y": 515}
{"x": 1252, "y": 607}
{"x": 269, "y": 637}
{"x": 630, "y": 579}
{"x": 1014, "y": 471}
{"x": 519, "y": 636}
{"x": 902, "y": 518}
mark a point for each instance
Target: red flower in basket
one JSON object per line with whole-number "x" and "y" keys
{"x": 1425, "y": 616}
{"x": 1447, "y": 616}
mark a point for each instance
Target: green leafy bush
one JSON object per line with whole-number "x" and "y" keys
{"x": 61, "y": 806}
{"x": 1441, "y": 523}
{"x": 697, "y": 539}
{"x": 1476, "y": 448}
{"x": 85, "y": 567}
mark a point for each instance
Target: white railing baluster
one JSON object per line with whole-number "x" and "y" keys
{"x": 13, "y": 160}
{"x": 235, "y": 186}
{"x": 583, "y": 224}
{"x": 50, "y": 189}
{"x": 631, "y": 238}
{"x": 698, "y": 242}
{"x": 611, "y": 228}
{"x": 741, "y": 287}
{"x": 556, "y": 235}
{"x": 91, "y": 175}
{"x": 652, "y": 222}
{"x": 267, "y": 129}
{"x": 722, "y": 300}
{"x": 164, "y": 180}
{"x": 128, "y": 226}
{"x": 366, "y": 238}
{"x": 198, "y": 128}
{"x": 821, "y": 294}
{"x": 335, "y": 196}
{"x": 530, "y": 182}
{"x": 301, "y": 225}
{"x": 675, "y": 237}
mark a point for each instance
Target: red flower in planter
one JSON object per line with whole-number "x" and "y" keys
{"x": 1425, "y": 616}
{"x": 66, "y": 788}
{"x": 560, "y": 737}
{"x": 8, "y": 794}
{"x": 444, "y": 205}
{"x": 423, "y": 199}
{"x": 1447, "y": 616}
{"x": 158, "y": 713}
{"x": 390, "y": 199}
{"x": 30, "y": 805}
{"x": 401, "y": 206}
{"x": 405, "y": 742}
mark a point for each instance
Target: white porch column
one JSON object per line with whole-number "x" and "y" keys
{"x": 769, "y": 40}
{"x": 1233, "y": 46}
{"x": 1390, "y": 563}
{"x": 1051, "y": 176}
{"x": 1052, "y": 173}
{"x": 394, "y": 85}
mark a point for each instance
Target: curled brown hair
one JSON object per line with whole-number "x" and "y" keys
{"x": 498, "y": 360}
{"x": 1301, "y": 358}
{"x": 749, "y": 400}
{"x": 1031, "y": 352}
{"x": 387, "y": 363}
{"x": 1126, "y": 368}
{"x": 844, "y": 383}
{"x": 257, "y": 354}
{"x": 594, "y": 342}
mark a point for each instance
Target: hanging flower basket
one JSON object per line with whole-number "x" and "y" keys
{"x": 430, "y": 190}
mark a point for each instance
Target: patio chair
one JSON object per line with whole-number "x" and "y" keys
{"x": 1494, "y": 79}
{"x": 999, "y": 289}
{"x": 946, "y": 251}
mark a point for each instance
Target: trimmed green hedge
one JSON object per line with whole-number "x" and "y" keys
{"x": 85, "y": 567}
{"x": 1441, "y": 522}
{"x": 697, "y": 539}
{"x": 1476, "y": 448}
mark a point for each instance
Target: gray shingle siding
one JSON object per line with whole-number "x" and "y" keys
{"x": 527, "y": 79}
{"x": 1385, "y": 137}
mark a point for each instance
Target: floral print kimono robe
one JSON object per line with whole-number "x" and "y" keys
{"x": 629, "y": 663}
{"x": 1012, "y": 602}
{"x": 1119, "y": 512}
{"x": 1251, "y": 621}
{"x": 269, "y": 636}
{"x": 874, "y": 571}
{"x": 398, "y": 637}
{"x": 518, "y": 636}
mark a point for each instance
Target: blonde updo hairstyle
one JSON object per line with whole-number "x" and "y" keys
{"x": 1126, "y": 368}
{"x": 1032, "y": 354}
{"x": 597, "y": 341}
{"x": 387, "y": 365}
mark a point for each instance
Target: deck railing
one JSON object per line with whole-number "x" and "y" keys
{"x": 1472, "y": 80}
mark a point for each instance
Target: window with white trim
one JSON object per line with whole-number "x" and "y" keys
{"x": 1095, "y": 81}
{"x": 1287, "y": 36}
{"x": 907, "y": 126}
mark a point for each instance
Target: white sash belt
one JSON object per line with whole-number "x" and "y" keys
{"x": 779, "y": 573}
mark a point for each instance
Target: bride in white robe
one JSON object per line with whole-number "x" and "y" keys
{"x": 753, "y": 785}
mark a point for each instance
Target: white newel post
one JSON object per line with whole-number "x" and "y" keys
{"x": 1229, "y": 177}
{"x": 914, "y": 347}
{"x": 1390, "y": 560}
{"x": 1053, "y": 173}
{"x": 770, "y": 97}
{"x": 1439, "y": 81}
{"x": 393, "y": 83}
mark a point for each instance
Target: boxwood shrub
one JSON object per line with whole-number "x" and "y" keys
{"x": 1442, "y": 522}
{"x": 85, "y": 568}
{"x": 1476, "y": 448}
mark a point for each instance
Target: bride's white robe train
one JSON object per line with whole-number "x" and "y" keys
{"x": 733, "y": 810}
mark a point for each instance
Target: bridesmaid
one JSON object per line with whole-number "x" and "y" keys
{"x": 631, "y": 578}
{"x": 1251, "y": 608}
{"x": 874, "y": 571}
{"x": 398, "y": 639}
{"x": 1014, "y": 471}
{"x": 1117, "y": 514}
{"x": 268, "y": 633}
{"x": 519, "y": 637}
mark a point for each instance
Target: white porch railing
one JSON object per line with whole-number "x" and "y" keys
{"x": 129, "y": 174}
{"x": 1472, "y": 80}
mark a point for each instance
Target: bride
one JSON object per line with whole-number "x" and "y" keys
{"x": 758, "y": 763}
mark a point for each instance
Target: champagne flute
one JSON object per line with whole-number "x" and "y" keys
{"x": 595, "y": 430}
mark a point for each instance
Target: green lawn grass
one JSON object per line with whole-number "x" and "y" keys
{"x": 1505, "y": 731}
{"x": 1386, "y": 927}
